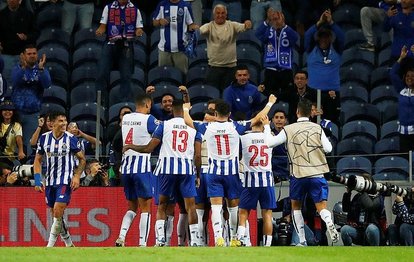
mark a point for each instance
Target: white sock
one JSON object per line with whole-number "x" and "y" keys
{"x": 194, "y": 235}
{"x": 248, "y": 243}
{"x": 326, "y": 216}
{"x": 65, "y": 236}
{"x": 216, "y": 220}
{"x": 200, "y": 214}
{"x": 160, "y": 231}
{"x": 144, "y": 228}
{"x": 267, "y": 240}
{"x": 126, "y": 223}
{"x": 299, "y": 225}
{"x": 182, "y": 229}
{"x": 241, "y": 230}
{"x": 169, "y": 228}
{"x": 54, "y": 231}
{"x": 233, "y": 221}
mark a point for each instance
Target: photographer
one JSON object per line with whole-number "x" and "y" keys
{"x": 365, "y": 215}
{"x": 9, "y": 178}
{"x": 96, "y": 174}
{"x": 404, "y": 223}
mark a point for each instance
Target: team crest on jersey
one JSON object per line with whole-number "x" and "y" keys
{"x": 250, "y": 99}
{"x": 78, "y": 145}
{"x": 64, "y": 146}
{"x": 180, "y": 12}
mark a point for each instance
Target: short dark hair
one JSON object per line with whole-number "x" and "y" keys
{"x": 89, "y": 162}
{"x": 167, "y": 94}
{"x": 302, "y": 72}
{"x": 140, "y": 100}
{"x": 279, "y": 111}
{"x": 29, "y": 46}
{"x": 222, "y": 108}
{"x": 241, "y": 67}
{"x": 177, "y": 105}
{"x": 305, "y": 107}
{"x": 55, "y": 114}
{"x": 323, "y": 32}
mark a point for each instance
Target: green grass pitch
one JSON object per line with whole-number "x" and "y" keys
{"x": 252, "y": 254}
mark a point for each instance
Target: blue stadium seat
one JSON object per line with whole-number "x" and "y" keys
{"x": 279, "y": 106}
{"x": 113, "y": 112}
{"x": 360, "y": 128}
{"x": 142, "y": 40}
{"x": 380, "y": 76}
{"x": 248, "y": 37}
{"x": 353, "y": 164}
{"x": 137, "y": 78}
{"x": 384, "y": 57}
{"x": 355, "y": 146}
{"x": 335, "y": 130}
{"x": 356, "y": 55}
{"x": 353, "y": 38}
{"x": 201, "y": 59}
{"x": 389, "y": 129}
{"x": 48, "y": 107}
{"x": 385, "y": 41}
{"x": 198, "y": 108}
{"x": 115, "y": 98}
{"x": 165, "y": 75}
{"x": 249, "y": 56}
{"x": 53, "y": 37}
{"x": 86, "y": 111}
{"x": 353, "y": 73}
{"x": 203, "y": 93}
{"x": 49, "y": 17}
{"x": 388, "y": 110}
{"x": 254, "y": 75}
{"x": 83, "y": 74}
{"x": 347, "y": 16}
{"x": 388, "y": 145}
{"x": 55, "y": 94}
{"x": 87, "y": 38}
{"x": 140, "y": 57}
{"x": 383, "y": 93}
{"x": 58, "y": 74}
{"x": 360, "y": 111}
{"x": 153, "y": 59}
{"x": 160, "y": 90}
{"x": 354, "y": 92}
{"x": 196, "y": 75}
{"x": 84, "y": 55}
{"x": 84, "y": 93}
{"x": 394, "y": 166}
{"x": 57, "y": 55}
{"x": 155, "y": 39}
{"x": 89, "y": 127}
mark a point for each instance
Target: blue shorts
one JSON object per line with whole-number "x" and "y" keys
{"x": 177, "y": 185}
{"x": 316, "y": 187}
{"x": 251, "y": 195}
{"x": 137, "y": 185}
{"x": 155, "y": 189}
{"x": 223, "y": 186}
{"x": 201, "y": 197}
{"x": 58, "y": 193}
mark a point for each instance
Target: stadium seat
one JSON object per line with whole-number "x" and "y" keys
{"x": 388, "y": 110}
{"x": 388, "y": 145}
{"x": 385, "y": 41}
{"x": 87, "y": 38}
{"x": 335, "y": 130}
{"x": 55, "y": 94}
{"x": 83, "y": 74}
{"x": 165, "y": 75}
{"x": 254, "y": 75}
{"x": 198, "y": 108}
{"x": 153, "y": 59}
{"x": 347, "y": 15}
{"x": 53, "y": 37}
{"x": 383, "y": 93}
{"x": 155, "y": 39}
{"x": 110, "y": 132}
{"x": 353, "y": 73}
{"x": 389, "y": 129}
{"x": 201, "y": 59}
{"x": 58, "y": 74}
{"x": 86, "y": 111}
{"x": 57, "y": 55}
{"x": 354, "y": 92}
{"x": 353, "y": 38}
{"x": 279, "y": 106}
{"x": 360, "y": 111}
{"x": 360, "y": 128}
{"x": 85, "y": 55}
{"x": 355, "y": 146}
{"x": 196, "y": 75}
{"x": 140, "y": 57}
{"x": 356, "y": 55}
{"x": 248, "y": 37}
{"x": 84, "y": 93}
{"x": 142, "y": 40}
{"x": 114, "y": 94}
{"x": 380, "y": 76}
{"x": 49, "y": 17}
{"x": 89, "y": 127}
{"x": 394, "y": 166}
{"x": 203, "y": 93}
{"x": 384, "y": 57}
{"x": 249, "y": 56}
{"x": 137, "y": 78}
{"x": 160, "y": 90}
{"x": 353, "y": 164}
{"x": 113, "y": 112}
{"x": 48, "y": 107}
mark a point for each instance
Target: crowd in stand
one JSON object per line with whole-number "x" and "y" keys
{"x": 284, "y": 30}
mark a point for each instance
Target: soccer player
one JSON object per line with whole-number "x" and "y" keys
{"x": 306, "y": 145}
{"x": 223, "y": 139}
{"x": 258, "y": 183}
{"x": 137, "y": 129}
{"x": 180, "y": 152}
{"x": 58, "y": 147}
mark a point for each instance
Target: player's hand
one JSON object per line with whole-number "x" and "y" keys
{"x": 187, "y": 105}
{"x": 42, "y": 62}
{"x": 125, "y": 148}
{"x": 183, "y": 89}
{"x": 75, "y": 183}
{"x": 40, "y": 189}
{"x": 265, "y": 120}
{"x": 197, "y": 182}
{"x": 139, "y": 32}
{"x": 150, "y": 89}
{"x": 272, "y": 98}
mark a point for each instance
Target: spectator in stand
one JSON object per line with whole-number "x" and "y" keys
{"x": 3, "y": 82}
{"x": 370, "y": 14}
{"x": 122, "y": 22}
{"x": 197, "y": 8}
{"x": 242, "y": 95}
{"x": 44, "y": 125}
{"x": 88, "y": 143}
{"x": 400, "y": 18}
{"x": 175, "y": 18}
{"x": 10, "y": 134}
{"x": 30, "y": 79}
{"x": 221, "y": 36}
{"x": 279, "y": 41}
{"x": 234, "y": 8}
{"x": 96, "y": 175}
{"x": 279, "y": 153}
{"x": 259, "y": 10}
{"x": 80, "y": 11}
{"x": 324, "y": 61}
{"x": 405, "y": 89}
{"x": 9, "y": 178}
{"x": 404, "y": 222}
{"x": 365, "y": 216}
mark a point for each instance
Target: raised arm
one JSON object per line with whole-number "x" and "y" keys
{"x": 265, "y": 110}
{"x": 187, "y": 118}
{"x": 148, "y": 148}
{"x": 271, "y": 140}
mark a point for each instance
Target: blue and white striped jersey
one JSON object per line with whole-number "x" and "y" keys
{"x": 256, "y": 157}
{"x": 137, "y": 129}
{"x": 223, "y": 139}
{"x": 180, "y": 17}
{"x": 177, "y": 148}
{"x": 59, "y": 156}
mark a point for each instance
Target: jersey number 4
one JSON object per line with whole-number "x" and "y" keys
{"x": 180, "y": 140}
{"x": 264, "y": 157}
{"x": 128, "y": 139}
